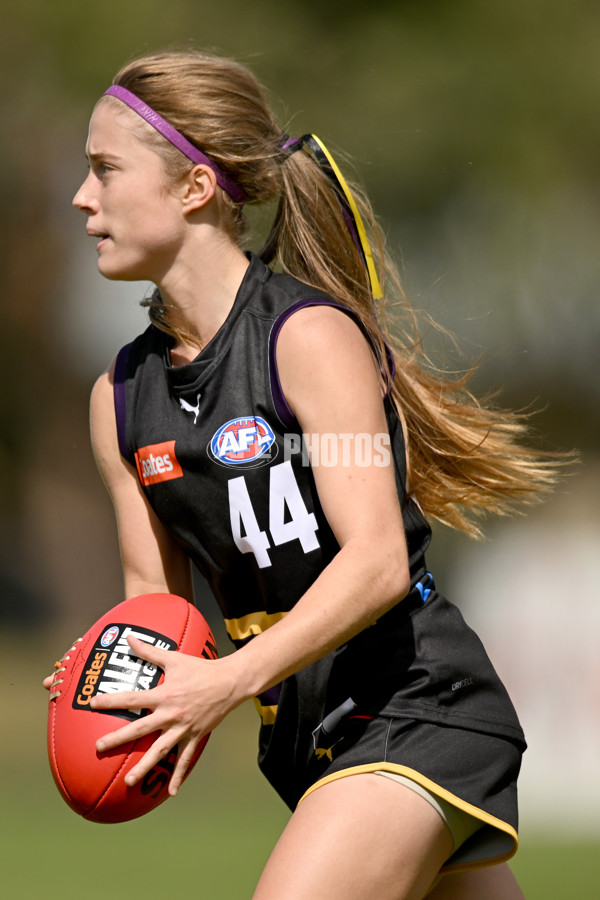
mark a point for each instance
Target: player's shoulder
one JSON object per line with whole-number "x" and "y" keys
{"x": 322, "y": 329}
{"x": 103, "y": 388}
{"x": 102, "y": 414}
{"x": 128, "y": 358}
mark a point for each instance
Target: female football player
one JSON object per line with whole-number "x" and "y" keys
{"x": 273, "y": 428}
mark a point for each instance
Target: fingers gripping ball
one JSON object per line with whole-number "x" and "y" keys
{"x": 92, "y": 783}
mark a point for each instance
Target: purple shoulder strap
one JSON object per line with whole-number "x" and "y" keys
{"x": 120, "y": 400}
{"x": 281, "y": 406}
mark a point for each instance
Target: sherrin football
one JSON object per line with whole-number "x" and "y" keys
{"x": 93, "y": 783}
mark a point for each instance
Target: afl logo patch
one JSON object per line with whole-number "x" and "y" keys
{"x": 246, "y": 441}
{"x": 109, "y": 636}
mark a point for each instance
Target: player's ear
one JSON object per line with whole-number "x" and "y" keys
{"x": 198, "y": 188}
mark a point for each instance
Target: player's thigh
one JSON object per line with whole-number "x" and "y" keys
{"x": 492, "y": 883}
{"x": 360, "y": 837}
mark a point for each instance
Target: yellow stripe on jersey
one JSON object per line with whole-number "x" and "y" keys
{"x": 267, "y": 713}
{"x": 252, "y": 624}
{"x": 249, "y": 626}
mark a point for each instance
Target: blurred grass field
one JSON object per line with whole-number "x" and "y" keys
{"x": 210, "y": 842}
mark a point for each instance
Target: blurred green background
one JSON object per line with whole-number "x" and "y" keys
{"x": 475, "y": 127}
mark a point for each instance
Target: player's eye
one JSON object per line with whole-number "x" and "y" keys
{"x": 100, "y": 168}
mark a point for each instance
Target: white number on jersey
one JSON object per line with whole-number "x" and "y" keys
{"x": 284, "y": 494}
{"x": 242, "y": 516}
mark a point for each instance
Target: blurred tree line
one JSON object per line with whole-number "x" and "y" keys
{"x": 474, "y": 126}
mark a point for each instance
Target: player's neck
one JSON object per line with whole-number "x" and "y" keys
{"x": 202, "y": 287}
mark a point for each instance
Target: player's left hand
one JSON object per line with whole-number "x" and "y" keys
{"x": 194, "y": 697}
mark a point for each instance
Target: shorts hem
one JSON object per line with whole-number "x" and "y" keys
{"x": 480, "y": 814}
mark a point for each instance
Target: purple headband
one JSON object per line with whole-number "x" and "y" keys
{"x": 176, "y": 138}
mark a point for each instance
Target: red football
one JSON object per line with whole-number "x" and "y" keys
{"x": 93, "y": 783}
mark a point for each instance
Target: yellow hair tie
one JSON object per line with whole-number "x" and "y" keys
{"x": 315, "y": 148}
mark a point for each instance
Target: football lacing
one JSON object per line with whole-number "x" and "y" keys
{"x": 59, "y": 667}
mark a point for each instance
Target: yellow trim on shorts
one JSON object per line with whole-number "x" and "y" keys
{"x": 434, "y": 788}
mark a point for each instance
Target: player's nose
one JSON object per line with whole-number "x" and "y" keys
{"x": 84, "y": 199}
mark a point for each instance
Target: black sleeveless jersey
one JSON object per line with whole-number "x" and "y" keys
{"x": 222, "y": 462}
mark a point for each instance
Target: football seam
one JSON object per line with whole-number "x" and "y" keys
{"x": 97, "y": 802}
{"x": 55, "y": 767}
{"x": 187, "y": 623}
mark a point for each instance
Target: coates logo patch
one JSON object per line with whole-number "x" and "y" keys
{"x": 115, "y": 670}
{"x": 157, "y": 462}
{"x": 247, "y": 441}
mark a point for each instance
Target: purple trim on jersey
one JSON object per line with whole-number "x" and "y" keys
{"x": 271, "y": 696}
{"x": 281, "y": 405}
{"x": 120, "y": 405}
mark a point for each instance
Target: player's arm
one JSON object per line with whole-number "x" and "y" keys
{"x": 152, "y": 562}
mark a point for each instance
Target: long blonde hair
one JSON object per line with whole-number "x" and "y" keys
{"x": 466, "y": 458}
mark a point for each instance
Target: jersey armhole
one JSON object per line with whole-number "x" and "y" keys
{"x": 119, "y": 379}
{"x": 281, "y": 406}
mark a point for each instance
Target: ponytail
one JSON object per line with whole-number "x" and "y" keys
{"x": 465, "y": 458}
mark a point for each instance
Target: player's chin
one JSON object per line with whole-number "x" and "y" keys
{"x": 114, "y": 270}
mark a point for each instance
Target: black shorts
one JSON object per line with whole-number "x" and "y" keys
{"x": 475, "y": 772}
{"x": 414, "y": 694}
